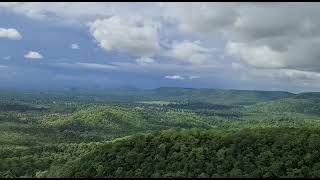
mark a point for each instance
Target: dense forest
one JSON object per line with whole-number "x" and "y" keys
{"x": 164, "y": 132}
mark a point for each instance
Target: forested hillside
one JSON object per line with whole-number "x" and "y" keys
{"x": 177, "y": 133}
{"x": 201, "y": 153}
{"x": 298, "y": 105}
{"x": 215, "y": 96}
{"x": 173, "y": 94}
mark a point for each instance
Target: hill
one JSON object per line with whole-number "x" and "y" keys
{"x": 104, "y": 122}
{"x": 168, "y": 94}
{"x": 215, "y": 96}
{"x": 201, "y": 153}
{"x": 289, "y": 105}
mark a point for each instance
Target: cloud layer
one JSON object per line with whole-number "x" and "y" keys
{"x": 245, "y": 42}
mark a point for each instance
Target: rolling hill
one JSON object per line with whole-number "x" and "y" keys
{"x": 170, "y": 94}
{"x": 289, "y": 105}
{"x": 261, "y": 153}
{"x": 214, "y": 96}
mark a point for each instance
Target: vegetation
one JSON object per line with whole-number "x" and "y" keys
{"x": 165, "y": 132}
{"x": 201, "y": 153}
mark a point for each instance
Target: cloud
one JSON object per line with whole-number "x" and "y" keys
{"x": 131, "y": 36}
{"x": 278, "y": 76}
{"x": 10, "y": 33}
{"x": 179, "y": 77}
{"x": 282, "y": 36}
{"x": 144, "y": 61}
{"x": 3, "y": 66}
{"x": 260, "y": 41}
{"x": 60, "y": 11}
{"x": 170, "y": 67}
{"x": 201, "y": 17}
{"x": 82, "y": 12}
{"x": 191, "y": 52}
{"x": 262, "y": 57}
{"x": 175, "y": 77}
{"x": 274, "y": 36}
{"x": 33, "y": 55}
{"x": 74, "y": 46}
{"x": 237, "y": 66}
{"x": 94, "y": 66}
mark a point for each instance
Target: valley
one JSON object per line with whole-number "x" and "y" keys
{"x": 164, "y": 132}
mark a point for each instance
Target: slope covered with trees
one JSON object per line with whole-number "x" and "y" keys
{"x": 201, "y": 153}
{"x": 171, "y": 94}
{"x": 164, "y": 132}
{"x": 215, "y": 96}
{"x": 294, "y": 105}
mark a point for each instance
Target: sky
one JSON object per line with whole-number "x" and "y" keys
{"x": 260, "y": 46}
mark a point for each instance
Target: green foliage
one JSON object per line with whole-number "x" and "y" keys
{"x": 293, "y": 105}
{"x": 258, "y": 153}
{"x": 200, "y": 133}
{"x": 215, "y": 96}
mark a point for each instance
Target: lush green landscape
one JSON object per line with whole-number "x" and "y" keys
{"x": 164, "y": 132}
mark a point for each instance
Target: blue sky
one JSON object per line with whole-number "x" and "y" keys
{"x": 264, "y": 46}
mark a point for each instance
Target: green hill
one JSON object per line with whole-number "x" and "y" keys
{"x": 289, "y": 105}
{"x": 214, "y": 96}
{"x": 201, "y": 153}
{"x": 98, "y": 122}
{"x": 164, "y": 132}
{"x": 175, "y": 94}
{"x": 106, "y": 122}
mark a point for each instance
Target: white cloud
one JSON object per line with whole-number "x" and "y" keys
{"x": 60, "y": 11}
{"x": 191, "y": 52}
{"x": 131, "y": 36}
{"x": 180, "y": 77}
{"x": 33, "y": 55}
{"x": 269, "y": 35}
{"x": 175, "y": 77}
{"x": 94, "y": 66}
{"x": 2, "y": 66}
{"x": 262, "y": 57}
{"x": 281, "y": 36}
{"x": 282, "y": 39}
{"x": 74, "y": 46}
{"x": 201, "y": 17}
{"x": 145, "y": 60}
{"x": 10, "y": 33}
{"x": 264, "y": 39}
{"x": 75, "y": 13}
